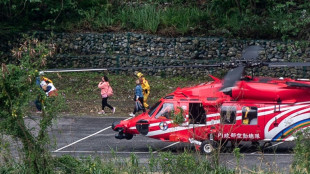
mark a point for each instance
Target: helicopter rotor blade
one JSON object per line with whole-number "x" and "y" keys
{"x": 251, "y": 52}
{"x": 232, "y": 77}
{"x": 296, "y": 84}
{"x": 127, "y": 68}
{"x": 288, "y": 64}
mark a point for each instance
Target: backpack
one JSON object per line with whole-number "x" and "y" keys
{"x": 110, "y": 91}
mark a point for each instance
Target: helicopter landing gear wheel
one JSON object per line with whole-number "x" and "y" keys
{"x": 267, "y": 146}
{"x": 208, "y": 147}
{"x": 255, "y": 144}
{"x": 128, "y": 136}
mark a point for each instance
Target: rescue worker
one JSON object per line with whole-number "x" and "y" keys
{"x": 39, "y": 80}
{"x": 43, "y": 78}
{"x": 49, "y": 90}
{"x": 245, "y": 118}
{"x": 145, "y": 88}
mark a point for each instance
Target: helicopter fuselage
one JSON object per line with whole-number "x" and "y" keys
{"x": 258, "y": 109}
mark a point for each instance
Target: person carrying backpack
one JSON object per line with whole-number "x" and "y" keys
{"x": 138, "y": 99}
{"x": 106, "y": 92}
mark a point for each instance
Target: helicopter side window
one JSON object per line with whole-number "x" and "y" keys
{"x": 153, "y": 108}
{"x": 249, "y": 115}
{"x": 197, "y": 114}
{"x": 165, "y": 111}
{"x": 228, "y": 114}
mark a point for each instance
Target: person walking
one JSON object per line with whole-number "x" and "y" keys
{"x": 138, "y": 99}
{"x": 145, "y": 88}
{"x": 106, "y": 92}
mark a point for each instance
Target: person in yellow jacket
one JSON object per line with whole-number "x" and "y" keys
{"x": 43, "y": 78}
{"x": 47, "y": 85}
{"x": 145, "y": 88}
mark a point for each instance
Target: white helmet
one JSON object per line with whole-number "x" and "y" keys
{"x": 43, "y": 83}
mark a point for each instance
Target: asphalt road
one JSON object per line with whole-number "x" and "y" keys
{"x": 93, "y": 136}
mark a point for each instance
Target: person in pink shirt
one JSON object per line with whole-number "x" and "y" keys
{"x": 106, "y": 91}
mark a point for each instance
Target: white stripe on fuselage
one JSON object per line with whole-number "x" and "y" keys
{"x": 285, "y": 108}
{"x": 173, "y": 129}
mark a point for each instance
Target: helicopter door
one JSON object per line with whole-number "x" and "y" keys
{"x": 197, "y": 114}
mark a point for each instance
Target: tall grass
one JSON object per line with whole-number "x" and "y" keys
{"x": 97, "y": 18}
{"x": 150, "y": 18}
{"x": 165, "y": 162}
{"x": 183, "y": 19}
{"x": 145, "y": 17}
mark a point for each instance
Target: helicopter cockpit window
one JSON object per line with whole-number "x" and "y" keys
{"x": 249, "y": 115}
{"x": 228, "y": 114}
{"x": 153, "y": 108}
{"x": 165, "y": 111}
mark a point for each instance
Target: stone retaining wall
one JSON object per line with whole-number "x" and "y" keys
{"x": 97, "y": 50}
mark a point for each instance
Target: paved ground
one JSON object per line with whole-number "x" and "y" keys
{"x": 85, "y": 136}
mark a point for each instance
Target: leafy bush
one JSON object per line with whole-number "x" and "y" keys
{"x": 18, "y": 86}
{"x": 301, "y": 162}
{"x": 178, "y": 116}
{"x": 290, "y": 19}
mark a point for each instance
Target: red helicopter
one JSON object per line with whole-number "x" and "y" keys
{"x": 236, "y": 108}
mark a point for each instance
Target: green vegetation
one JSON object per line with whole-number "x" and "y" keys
{"x": 18, "y": 88}
{"x": 178, "y": 116}
{"x": 301, "y": 163}
{"x": 230, "y": 18}
{"x": 160, "y": 163}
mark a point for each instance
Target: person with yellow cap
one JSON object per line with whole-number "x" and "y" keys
{"x": 145, "y": 88}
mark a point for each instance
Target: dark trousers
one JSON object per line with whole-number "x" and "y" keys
{"x": 38, "y": 105}
{"x": 141, "y": 100}
{"x": 105, "y": 103}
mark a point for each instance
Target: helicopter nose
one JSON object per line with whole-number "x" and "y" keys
{"x": 114, "y": 124}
